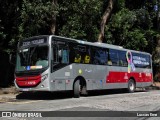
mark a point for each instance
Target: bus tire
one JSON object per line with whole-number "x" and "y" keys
{"x": 76, "y": 89}
{"x": 131, "y": 86}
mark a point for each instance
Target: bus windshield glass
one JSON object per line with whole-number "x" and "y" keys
{"x": 32, "y": 58}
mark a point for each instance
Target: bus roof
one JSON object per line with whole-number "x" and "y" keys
{"x": 96, "y": 44}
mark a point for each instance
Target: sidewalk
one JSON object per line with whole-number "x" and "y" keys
{"x": 8, "y": 94}
{"x": 7, "y": 98}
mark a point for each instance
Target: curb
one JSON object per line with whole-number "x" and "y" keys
{"x": 7, "y": 97}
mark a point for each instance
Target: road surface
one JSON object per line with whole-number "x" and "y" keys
{"x": 96, "y": 102}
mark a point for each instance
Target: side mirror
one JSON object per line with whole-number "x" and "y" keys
{"x": 12, "y": 59}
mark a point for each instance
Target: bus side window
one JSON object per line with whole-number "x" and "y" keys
{"x": 61, "y": 53}
{"x": 77, "y": 58}
{"x": 113, "y": 57}
{"x": 99, "y": 56}
{"x": 79, "y": 53}
{"x": 87, "y": 59}
{"x": 65, "y": 57}
{"x": 120, "y": 62}
{"x": 109, "y": 62}
{"x": 122, "y": 58}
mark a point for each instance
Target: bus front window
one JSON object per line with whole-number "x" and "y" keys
{"x": 32, "y": 58}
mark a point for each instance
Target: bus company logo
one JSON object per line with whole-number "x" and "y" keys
{"x": 6, "y": 114}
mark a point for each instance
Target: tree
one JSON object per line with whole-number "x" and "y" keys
{"x": 79, "y": 19}
{"x": 9, "y": 14}
{"x": 2, "y": 35}
{"x": 37, "y": 17}
{"x": 105, "y": 18}
{"x": 131, "y": 28}
{"x": 132, "y": 24}
{"x": 53, "y": 20}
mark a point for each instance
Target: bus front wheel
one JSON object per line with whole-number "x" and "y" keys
{"x": 131, "y": 86}
{"x": 76, "y": 89}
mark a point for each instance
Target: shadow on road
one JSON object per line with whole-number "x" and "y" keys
{"x": 65, "y": 95}
{"x": 44, "y": 95}
{"x": 111, "y": 92}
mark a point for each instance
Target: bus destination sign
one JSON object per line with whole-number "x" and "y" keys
{"x": 34, "y": 42}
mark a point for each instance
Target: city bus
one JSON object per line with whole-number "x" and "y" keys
{"x": 54, "y": 63}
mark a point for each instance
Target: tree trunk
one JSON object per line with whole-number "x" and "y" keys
{"x": 53, "y": 23}
{"x": 105, "y": 18}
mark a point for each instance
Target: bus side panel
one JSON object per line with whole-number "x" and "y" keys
{"x": 86, "y": 71}
{"x": 62, "y": 79}
{"x": 98, "y": 77}
{"x": 116, "y": 77}
{"x": 94, "y": 75}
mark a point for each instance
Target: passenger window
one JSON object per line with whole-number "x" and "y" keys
{"x": 100, "y": 56}
{"x": 79, "y": 53}
{"x": 113, "y": 57}
{"x": 122, "y": 58}
{"x": 61, "y": 52}
{"x": 141, "y": 60}
{"x": 77, "y": 58}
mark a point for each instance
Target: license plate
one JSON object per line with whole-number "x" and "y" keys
{"x": 25, "y": 89}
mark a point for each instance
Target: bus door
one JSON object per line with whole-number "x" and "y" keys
{"x": 99, "y": 58}
{"x": 60, "y": 59}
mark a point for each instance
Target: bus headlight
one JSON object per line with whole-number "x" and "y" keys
{"x": 44, "y": 77}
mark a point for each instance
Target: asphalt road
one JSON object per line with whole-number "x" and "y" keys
{"x": 100, "y": 105}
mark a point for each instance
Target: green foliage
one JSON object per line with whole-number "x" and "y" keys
{"x": 80, "y": 18}
{"x": 120, "y": 4}
{"x": 136, "y": 40}
{"x": 132, "y": 24}
{"x": 8, "y": 24}
{"x": 132, "y": 29}
{"x": 36, "y": 17}
{"x": 120, "y": 26}
{"x": 2, "y": 35}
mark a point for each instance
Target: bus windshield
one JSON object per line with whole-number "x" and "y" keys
{"x": 32, "y": 58}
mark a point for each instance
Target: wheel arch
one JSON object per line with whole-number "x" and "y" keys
{"x": 132, "y": 79}
{"x": 131, "y": 85}
{"x": 82, "y": 81}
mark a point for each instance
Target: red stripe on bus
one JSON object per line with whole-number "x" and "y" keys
{"x": 28, "y": 81}
{"x": 122, "y": 77}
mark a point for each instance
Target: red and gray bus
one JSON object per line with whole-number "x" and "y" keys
{"x": 55, "y": 63}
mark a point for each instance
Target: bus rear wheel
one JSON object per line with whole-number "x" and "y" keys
{"x": 131, "y": 86}
{"x": 76, "y": 89}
